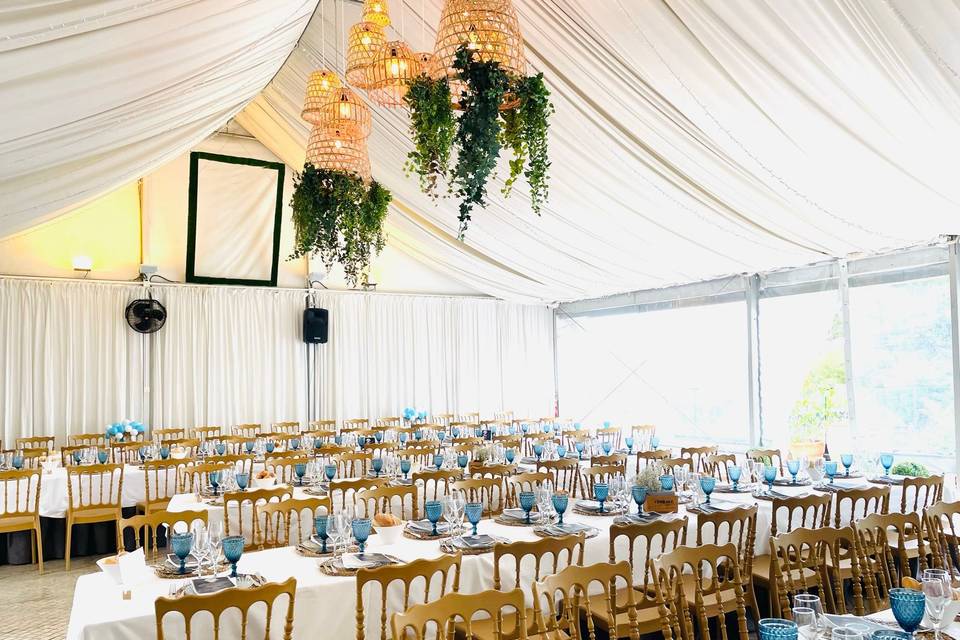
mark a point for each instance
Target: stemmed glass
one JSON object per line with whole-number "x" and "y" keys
{"x": 330, "y": 470}
{"x": 806, "y": 620}
{"x": 560, "y": 502}
{"x": 793, "y": 466}
{"x": 639, "y": 494}
{"x": 214, "y": 544}
{"x": 377, "y": 464}
{"x": 243, "y": 479}
{"x": 886, "y": 461}
{"x": 201, "y": 546}
{"x": 847, "y": 460}
{"x": 438, "y": 461}
{"x": 707, "y": 483}
{"x": 580, "y": 446}
{"x": 607, "y": 447}
{"x": 600, "y": 491}
{"x": 510, "y": 454}
{"x": 907, "y": 606}
{"x": 527, "y": 500}
{"x": 361, "y": 531}
{"x": 232, "y": 550}
{"x": 474, "y": 512}
{"x": 733, "y": 472}
{"x": 629, "y": 442}
{"x": 769, "y": 474}
{"x": 320, "y": 528}
{"x": 182, "y": 543}
{"x": 937, "y": 593}
{"x": 666, "y": 482}
{"x": 405, "y": 467}
{"x": 449, "y": 512}
{"x": 214, "y": 478}
{"x": 433, "y": 509}
{"x": 462, "y": 461}
{"x": 830, "y": 468}
{"x": 538, "y": 451}
{"x": 810, "y": 602}
{"x": 654, "y": 442}
{"x": 300, "y": 470}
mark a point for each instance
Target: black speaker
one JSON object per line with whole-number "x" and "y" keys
{"x": 315, "y": 325}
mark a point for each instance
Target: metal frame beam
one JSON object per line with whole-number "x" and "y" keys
{"x": 954, "y": 268}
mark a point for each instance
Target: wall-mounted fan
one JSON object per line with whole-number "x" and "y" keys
{"x": 145, "y": 315}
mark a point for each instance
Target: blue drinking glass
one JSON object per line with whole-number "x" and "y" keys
{"x": 847, "y": 460}
{"x": 639, "y": 494}
{"x": 538, "y": 451}
{"x": 600, "y": 491}
{"x": 418, "y": 435}
{"x": 361, "y": 531}
{"x": 456, "y": 432}
{"x": 271, "y": 445}
{"x": 777, "y": 629}
{"x": 220, "y": 448}
{"x": 434, "y": 510}
{"x": 378, "y": 436}
{"x": 707, "y": 483}
{"x": 890, "y": 634}
{"x": 338, "y": 440}
{"x": 243, "y": 479}
{"x": 181, "y": 544}
{"x": 579, "y": 446}
{"x": 438, "y": 461}
{"x": 561, "y": 452}
{"x": 473, "y": 511}
{"x": 317, "y": 443}
{"x": 300, "y": 470}
{"x": 214, "y": 478}
{"x": 527, "y": 500}
{"x": 654, "y": 442}
{"x": 232, "y": 550}
{"x": 524, "y": 427}
{"x": 164, "y": 452}
{"x": 143, "y": 453}
{"x": 577, "y": 426}
{"x": 462, "y": 460}
{"x": 830, "y": 468}
{"x": 102, "y": 455}
{"x": 440, "y": 436}
{"x": 248, "y": 445}
{"x": 295, "y": 444}
{"x": 629, "y": 442}
{"x": 560, "y": 502}
{"x": 76, "y": 457}
{"x": 607, "y": 447}
{"x": 510, "y": 454}
{"x": 403, "y": 437}
{"x": 405, "y": 467}
{"x": 666, "y": 482}
{"x": 330, "y": 470}
{"x": 320, "y": 527}
{"x": 907, "y": 606}
{"x": 886, "y": 460}
{"x": 733, "y": 472}
{"x": 793, "y": 466}
{"x": 377, "y": 464}
{"x": 769, "y": 474}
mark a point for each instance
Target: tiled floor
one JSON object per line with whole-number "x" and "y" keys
{"x": 36, "y": 607}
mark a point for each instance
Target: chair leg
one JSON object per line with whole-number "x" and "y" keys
{"x": 39, "y": 548}
{"x": 66, "y": 554}
{"x": 754, "y": 607}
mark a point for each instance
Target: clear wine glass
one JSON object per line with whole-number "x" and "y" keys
{"x": 812, "y": 602}
{"x": 807, "y": 624}
{"x": 937, "y": 594}
{"x": 214, "y": 544}
{"x": 200, "y": 548}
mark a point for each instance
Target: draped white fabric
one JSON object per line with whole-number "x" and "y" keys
{"x": 69, "y": 363}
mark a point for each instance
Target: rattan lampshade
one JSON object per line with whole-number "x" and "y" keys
{"x": 330, "y": 150}
{"x": 430, "y": 65}
{"x": 320, "y": 88}
{"x": 489, "y": 27}
{"x": 346, "y": 113}
{"x": 392, "y": 67}
{"x": 376, "y": 11}
{"x": 365, "y": 40}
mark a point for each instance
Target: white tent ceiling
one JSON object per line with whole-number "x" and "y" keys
{"x": 692, "y": 137}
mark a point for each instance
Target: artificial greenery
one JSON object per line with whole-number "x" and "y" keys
{"x": 525, "y": 132}
{"x": 478, "y": 130}
{"x": 913, "y": 469}
{"x": 337, "y": 216}
{"x": 432, "y": 127}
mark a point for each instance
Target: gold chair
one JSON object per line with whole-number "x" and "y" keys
{"x": 613, "y": 435}
{"x": 437, "y": 619}
{"x": 148, "y": 527}
{"x": 66, "y": 454}
{"x": 354, "y": 424}
{"x": 418, "y": 454}
{"x": 532, "y": 439}
{"x": 37, "y": 442}
{"x": 380, "y": 499}
{"x": 390, "y": 421}
{"x": 441, "y": 573}
{"x": 379, "y": 448}
{"x": 321, "y": 435}
{"x": 570, "y": 587}
{"x": 216, "y": 604}
{"x": 863, "y": 501}
{"x": 353, "y": 465}
{"x": 699, "y": 457}
{"x": 642, "y": 434}
{"x": 190, "y": 445}
{"x": 86, "y": 440}
{"x": 671, "y": 464}
{"x": 444, "y": 419}
{"x": 279, "y": 519}
{"x": 286, "y": 426}
{"x": 324, "y": 425}
{"x": 718, "y": 465}
{"x": 172, "y": 433}
{"x": 613, "y": 458}
{"x": 469, "y": 418}
{"x": 712, "y": 572}
{"x": 436, "y": 479}
{"x": 942, "y": 531}
{"x": 602, "y": 474}
{"x": 768, "y": 456}
{"x": 233, "y": 510}
{"x": 884, "y": 564}
{"x": 247, "y": 430}
{"x": 651, "y": 457}
{"x": 234, "y": 444}
{"x": 565, "y": 475}
{"x": 206, "y": 433}
{"x": 94, "y": 494}
{"x": 125, "y": 452}
{"x": 196, "y": 475}
{"x": 487, "y": 491}
{"x": 21, "y": 507}
{"x": 162, "y": 480}
{"x": 526, "y": 482}
{"x": 739, "y": 527}
{"x": 284, "y": 468}
{"x": 242, "y": 462}
{"x": 350, "y": 487}
{"x": 32, "y": 457}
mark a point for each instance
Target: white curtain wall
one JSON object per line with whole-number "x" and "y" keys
{"x": 70, "y": 364}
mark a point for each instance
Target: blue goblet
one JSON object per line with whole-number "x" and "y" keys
{"x": 164, "y": 452}
{"x": 462, "y": 460}
{"x": 249, "y": 445}
{"x": 17, "y": 462}
{"x": 434, "y": 510}
{"x": 320, "y": 527}
{"x": 793, "y": 466}
{"x": 629, "y": 442}
{"x": 181, "y": 544}
{"x": 330, "y": 470}
{"x": 473, "y": 511}
{"x": 102, "y": 455}
{"x": 847, "y": 460}
{"x": 769, "y": 474}
{"x": 654, "y": 442}
{"x": 440, "y": 436}
{"x": 600, "y": 491}
{"x": 908, "y": 607}
{"x": 607, "y": 447}
{"x": 361, "y": 531}
{"x": 317, "y": 443}
{"x": 77, "y": 456}
{"x": 418, "y": 435}
{"x": 639, "y": 494}
{"x": 243, "y": 479}
{"x": 438, "y": 461}
{"x": 666, "y": 482}
{"x": 707, "y": 483}
{"x": 538, "y": 451}
{"x": 221, "y": 448}
{"x": 378, "y": 436}
{"x": 214, "y": 478}
{"x": 377, "y": 464}
{"x": 270, "y": 446}
{"x": 403, "y": 437}
{"x": 524, "y": 427}
{"x": 886, "y": 460}
{"x": 734, "y": 472}
{"x": 143, "y": 453}
{"x": 232, "y": 550}
{"x": 579, "y": 446}
{"x": 405, "y": 467}
{"x": 456, "y": 432}
{"x": 527, "y": 500}
{"x": 295, "y": 444}
{"x": 300, "y": 470}
{"x": 510, "y": 454}
{"x": 777, "y": 629}
{"x": 560, "y": 501}
{"x": 830, "y": 468}
{"x": 338, "y": 440}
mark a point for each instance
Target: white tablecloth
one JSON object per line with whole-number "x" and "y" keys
{"x": 53, "y": 490}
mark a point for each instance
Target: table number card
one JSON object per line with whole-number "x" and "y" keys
{"x": 662, "y": 502}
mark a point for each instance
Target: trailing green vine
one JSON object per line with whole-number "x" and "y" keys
{"x": 337, "y": 216}
{"x": 478, "y": 131}
{"x": 432, "y": 127}
{"x": 525, "y": 132}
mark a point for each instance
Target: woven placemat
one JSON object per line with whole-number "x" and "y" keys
{"x": 608, "y": 511}
{"x": 163, "y": 570}
{"x": 447, "y": 546}
{"x": 592, "y": 532}
{"x": 891, "y": 480}
{"x": 334, "y": 567}
{"x": 515, "y": 522}
{"x": 425, "y": 535}
{"x": 312, "y": 549}
{"x": 788, "y": 482}
{"x": 315, "y": 491}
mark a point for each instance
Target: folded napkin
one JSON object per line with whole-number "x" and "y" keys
{"x": 516, "y": 514}
{"x": 366, "y": 560}
{"x": 888, "y": 480}
{"x": 593, "y": 505}
{"x": 425, "y": 526}
{"x": 481, "y": 541}
{"x": 633, "y": 517}
{"x": 841, "y": 621}
{"x": 190, "y": 563}
{"x": 565, "y": 529}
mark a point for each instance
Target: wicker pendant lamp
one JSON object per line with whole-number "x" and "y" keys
{"x": 392, "y": 67}
{"x": 488, "y": 27}
{"x": 376, "y": 11}
{"x": 320, "y": 88}
{"x": 333, "y": 151}
{"x": 346, "y": 113}
{"x": 430, "y": 65}
{"x": 365, "y": 40}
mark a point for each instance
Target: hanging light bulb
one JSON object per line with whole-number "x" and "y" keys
{"x": 320, "y": 88}
{"x": 376, "y": 11}
{"x": 333, "y": 151}
{"x": 365, "y": 40}
{"x": 346, "y": 113}
{"x": 392, "y": 67}
{"x": 488, "y": 27}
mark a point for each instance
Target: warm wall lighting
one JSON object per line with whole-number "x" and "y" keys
{"x": 82, "y": 263}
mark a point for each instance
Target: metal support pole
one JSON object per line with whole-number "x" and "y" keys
{"x": 752, "y": 294}
{"x": 556, "y": 369}
{"x": 954, "y": 266}
{"x": 847, "y": 348}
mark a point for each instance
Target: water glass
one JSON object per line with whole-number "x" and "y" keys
{"x": 907, "y": 606}
{"x": 629, "y": 443}
{"x": 182, "y": 543}
{"x": 215, "y": 544}
{"x": 707, "y": 483}
{"x": 793, "y": 466}
{"x": 377, "y": 464}
{"x": 666, "y": 482}
{"x": 937, "y": 593}
{"x": 405, "y": 467}
{"x": 733, "y": 472}
{"x": 846, "y": 459}
{"x": 330, "y": 470}
{"x": 807, "y": 623}
{"x": 433, "y": 510}
{"x": 474, "y": 512}
{"x": 886, "y": 461}
{"x": 600, "y": 491}
{"x": 361, "y": 531}
{"x": 811, "y": 602}
{"x": 639, "y": 494}
{"x": 527, "y": 500}
{"x": 845, "y": 633}
{"x": 438, "y": 461}
{"x": 320, "y": 528}
{"x": 232, "y": 550}
{"x": 560, "y": 502}
{"x": 201, "y": 545}
{"x": 769, "y": 475}
{"x": 777, "y": 629}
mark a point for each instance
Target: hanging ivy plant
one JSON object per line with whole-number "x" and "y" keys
{"x": 478, "y": 131}
{"x": 338, "y": 217}
{"x": 524, "y": 131}
{"x": 432, "y": 127}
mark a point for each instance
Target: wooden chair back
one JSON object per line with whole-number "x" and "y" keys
{"x": 811, "y": 512}
{"x": 942, "y": 531}
{"x": 402, "y": 501}
{"x": 737, "y": 526}
{"x": 354, "y": 424}
{"x": 345, "y": 492}
{"x": 171, "y": 433}
{"x": 671, "y": 464}
{"x": 354, "y": 464}
{"x": 291, "y": 427}
{"x": 323, "y": 425}
{"x": 284, "y": 468}
{"x": 149, "y": 528}
{"x": 455, "y": 613}
{"x": 66, "y": 454}
{"x": 162, "y": 480}
{"x": 93, "y": 489}
{"x": 771, "y": 456}
{"x": 191, "y": 445}
{"x": 125, "y": 452}
{"x": 849, "y": 505}
{"x": 601, "y": 474}
{"x": 526, "y": 482}
{"x": 206, "y": 433}
{"x": 884, "y": 540}
{"x": 86, "y": 440}
{"x": 699, "y": 457}
{"x": 920, "y": 493}
{"x": 718, "y": 465}
{"x": 489, "y": 492}
{"x": 242, "y": 462}
{"x": 651, "y": 457}
{"x": 547, "y": 555}
{"x": 570, "y": 588}
{"x": 47, "y": 443}
{"x": 565, "y": 475}
{"x": 613, "y": 458}
{"x": 655, "y": 539}
{"x": 196, "y": 475}
{"x": 236, "y": 502}
{"x": 436, "y": 483}
{"x": 613, "y": 435}
{"x": 290, "y": 521}
{"x": 247, "y": 430}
